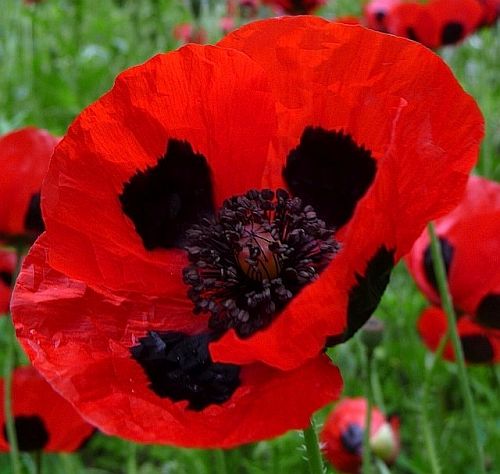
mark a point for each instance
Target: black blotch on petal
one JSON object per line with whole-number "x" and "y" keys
{"x": 6, "y": 277}
{"x": 452, "y": 32}
{"x": 33, "y": 219}
{"x": 179, "y": 367}
{"x": 447, "y": 251}
{"x": 477, "y": 348}
{"x": 488, "y": 311}
{"x": 165, "y": 200}
{"x": 411, "y": 34}
{"x": 365, "y": 296}
{"x": 352, "y": 439}
{"x": 331, "y": 172}
{"x": 31, "y": 433}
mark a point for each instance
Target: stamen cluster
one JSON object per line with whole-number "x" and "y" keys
{"x": 251, "y": 259}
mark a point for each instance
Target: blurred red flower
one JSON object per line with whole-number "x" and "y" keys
{"x": 43, "y": 419}
{"x": 376, "y": 12}
{"x": 24, "y": 160}
{"x": 189, "y": 33}
{"x": 436, "y": 23}
{"x": 470, "y": 240}
{"x": 342, "y": 435}
{"x": 163, "y": 187}
{"x": 295, "y": 7}
{"x": 7, "y": 267}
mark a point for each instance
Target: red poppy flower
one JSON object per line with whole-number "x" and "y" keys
{"x": 194, "y": 150}
{"x": 342, "y": 435}
{"x": 243, "y": 8}
{"x": 470, "y": 240}
{"x": 479, "y": 344}
{"x": 24, "y": 160}
{"x": 412, "y": 21}
{"x": 43, "y": 419}
{"x": 491, "y": 11}
{"x": 437, "y": 23}
{"x": 295, "y": 7}
{"x": 7, "y": 267}
{"x": 376, "y": 11}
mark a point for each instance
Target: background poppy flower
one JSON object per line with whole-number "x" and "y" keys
{"x": 43, "y": 419}
{"x": 376, "y": 11}
{"x": 7, "y": 267}
{"x": 413, "y": 21}
{"x": 24, "y": 160}
{"x": 480, "y": 345}
{"x": 470, "y": 240}
{"x": 295, "y": 7}
{"x": 139, "y": 177}
{"x": 491, "y": 11}
{"x": 342, "y": 435}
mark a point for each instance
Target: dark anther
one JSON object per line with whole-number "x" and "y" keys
{"x": 380, "y": 16}
{"x": 452, "y": 33}
{"x": 447, "y": 252}
{"x": 366, "y": 295}
{"x": 477, "y": 349}
{"x": 33, "y": 218}
{"x": 6, "y": 277}
{"x": 31, "y": 433}
{"x": 179, "y": 367}
{"x": 330, "y": 172}
{"x": 352, "y": 439}
{"x": 246, "y": 264}
{"x": 488, "y": 311}
{"x": 165, "y": 200}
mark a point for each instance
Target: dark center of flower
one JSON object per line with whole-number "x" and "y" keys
{"x": 31, "y": 433}
{"x": 179, "y": 367}
{"x": 6, "y": 277}
{"x": 352, "y": 438}
{"x": 248, "y": 262}
{"x": 477, "y": 348}
{"x": 452, "y": 32}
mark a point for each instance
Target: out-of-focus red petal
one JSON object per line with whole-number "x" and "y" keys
{"x": 433, "y": 325}
{"x": 33, "y": 396}
{"x": 473, "y": 230}
{"x": 7, "y": 268}
{"x": 349, "y": 411}
{"x": 226, "y": 113}
{"x": 24, "y": 159}
{"x": 412, "y": 21}
{"x": 386, "y": 93}
{"x": 295, "y": 7}
{"x": 377, "y": 11}
{"x": 80, "y": 340}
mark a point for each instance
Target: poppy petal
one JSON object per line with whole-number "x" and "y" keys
{"x": 479, "y": 345}
{"x": 470, "y": 234}
{"x": 43, "y": 419}
{"x": 226, "y": 116}
{"x": 24, "y": 160}
{"x": 384, "y": 93}
{"x": 86, "y": 356}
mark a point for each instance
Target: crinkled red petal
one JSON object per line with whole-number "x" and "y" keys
{"x": 33, "y": 396}
{"x": 80, "y": 341}
{"x": 398, "y": 100}
{"x": 218, "y": 100}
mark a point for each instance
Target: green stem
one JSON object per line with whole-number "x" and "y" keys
{"x": 446, "y": 302}
{"x": 220, "y": 461}
{"x": 38, "y": 461}
{"x": 429, "y": 439}
{"x": 132, "y": 458}
{"x": 367, "y": 455}
{"x": 9, "y": 365}
{"x": 9, "y": 417}
{"x": 312, "y": 448}
{"x": 382, "y": 467}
